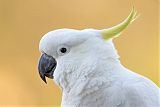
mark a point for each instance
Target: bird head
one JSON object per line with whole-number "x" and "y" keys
{"x": 69, "y": 54}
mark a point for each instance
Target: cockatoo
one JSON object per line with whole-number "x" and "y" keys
{"x": 86, "y": 67}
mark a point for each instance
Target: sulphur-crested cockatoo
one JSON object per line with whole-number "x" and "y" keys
{"x": 86, "y": 66}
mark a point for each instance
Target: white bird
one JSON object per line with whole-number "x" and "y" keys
{"x": 86, "y": 66}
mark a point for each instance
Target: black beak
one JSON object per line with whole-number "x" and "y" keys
{"x": 46, "y": 67}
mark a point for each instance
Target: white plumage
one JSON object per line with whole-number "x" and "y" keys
{"x": 91, "y": 75}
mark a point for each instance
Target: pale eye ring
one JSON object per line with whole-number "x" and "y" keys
{"x": 62, "y": 50}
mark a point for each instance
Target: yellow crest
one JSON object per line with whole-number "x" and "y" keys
{"x": 115, "y": 31}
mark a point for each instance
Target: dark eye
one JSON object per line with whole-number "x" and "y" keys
{"x": 63, "y": 50}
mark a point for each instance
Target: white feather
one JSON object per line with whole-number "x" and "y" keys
{"x": 91, "y": 75}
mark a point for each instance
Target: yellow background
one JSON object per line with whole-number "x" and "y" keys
{"x": 24, "y": 22}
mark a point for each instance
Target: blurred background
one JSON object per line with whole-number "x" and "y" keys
{"x": 24, "y": 22}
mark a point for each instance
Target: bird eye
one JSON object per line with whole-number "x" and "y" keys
{"x": 63, "y": 50}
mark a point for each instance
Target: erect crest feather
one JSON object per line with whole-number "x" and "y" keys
{"x": 115, "y": 31}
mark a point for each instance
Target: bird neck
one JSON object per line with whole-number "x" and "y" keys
{"x": 85, "y": 86}
{"x": 83, "y": 80}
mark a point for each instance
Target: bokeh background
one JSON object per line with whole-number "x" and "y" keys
{"x": 24, "y": 22}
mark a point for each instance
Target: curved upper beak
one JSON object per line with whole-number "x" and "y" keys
{"x": 46, "y": 67}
